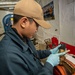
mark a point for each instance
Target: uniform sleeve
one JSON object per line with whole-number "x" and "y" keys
{"x": 13, "y": 65}
{"x": 46, "y": 70}
{"x": 43, "y": 53}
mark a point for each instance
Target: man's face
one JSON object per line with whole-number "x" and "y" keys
{"x": 30, "y": 28}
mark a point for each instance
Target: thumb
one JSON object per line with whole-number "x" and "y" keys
{"x": 58, "y": 46}
{"x": 63, "y": 53}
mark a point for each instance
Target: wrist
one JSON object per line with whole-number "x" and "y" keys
{"x": 50, "y": 63}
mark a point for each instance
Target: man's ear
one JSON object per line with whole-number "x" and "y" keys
{"x": 23, "y": 25}
{"x": 23, "y": 21}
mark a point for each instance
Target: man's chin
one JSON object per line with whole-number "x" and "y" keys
{"x": 30, "y": 37}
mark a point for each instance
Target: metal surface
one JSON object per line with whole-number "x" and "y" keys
{"x": 7, "y": 5}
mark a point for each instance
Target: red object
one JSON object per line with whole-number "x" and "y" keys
{"x": 54, "y": 41}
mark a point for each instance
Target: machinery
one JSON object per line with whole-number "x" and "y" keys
{"x": 7, "y": 21}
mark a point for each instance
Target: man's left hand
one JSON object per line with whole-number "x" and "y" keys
{"x": 55, "y": 50}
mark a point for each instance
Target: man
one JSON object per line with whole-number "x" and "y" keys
{"x": 18, "y": 55}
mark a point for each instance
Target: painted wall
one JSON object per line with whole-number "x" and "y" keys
{"x": 67, "y": 21}
{"x": 48, "y": 33}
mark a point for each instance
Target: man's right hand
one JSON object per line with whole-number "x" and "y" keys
{"x": 53, "y": 59}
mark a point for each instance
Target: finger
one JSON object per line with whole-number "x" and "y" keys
{"x": 58, "y": 46}
{"x": 63, "y": 53}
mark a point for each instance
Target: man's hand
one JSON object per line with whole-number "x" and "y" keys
{"x": 55, "y": 50}
{"x": 53, "y": 59}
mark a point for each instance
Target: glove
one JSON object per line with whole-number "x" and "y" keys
{"x": 55, "y": 50}
{"x": 53, "y": 59}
